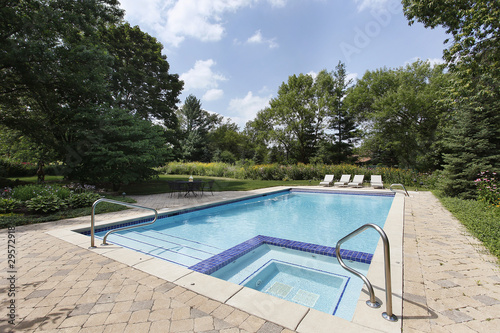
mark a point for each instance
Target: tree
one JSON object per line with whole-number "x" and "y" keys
{"x": 293, "y": 116}
{"x": 331, "y": 89}
{"x": 140, "y": 81}
{"x": 401, "y": 112}
{"x": 123, "y": 148}
{"x": 473, "y": 133}
{"x": 56, "y": 88}
{"x": 53, "y": 67}
{"x": 195, "y": 124}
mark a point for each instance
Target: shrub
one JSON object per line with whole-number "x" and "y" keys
{"x": 488, "y": 188}
{"x": 8, "y": 205}
{"x": 28, "y": 192}
{"x": 81, "y": 200}
{"x": 47, "y": 203}
{"x": 13, "y": 168}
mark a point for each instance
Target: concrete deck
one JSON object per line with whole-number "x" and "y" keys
{"x": 450, "y": 283}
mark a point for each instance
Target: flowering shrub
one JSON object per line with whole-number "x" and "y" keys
{"x": 488, "y": 188}
{"x": 28, "y": 192}
{"x": 298, "y": 171}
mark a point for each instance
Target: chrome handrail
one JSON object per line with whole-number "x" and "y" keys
{"x": 92, "y": 219}
{"x": 372, "y": 302}
{"x": 404, "y": 188}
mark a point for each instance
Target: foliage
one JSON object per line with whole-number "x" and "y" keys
{"x": 30, "y": 191}
{"x": 488, "y": 188}
{"x": 124, "y": 150}
{"x": 84, "y": 199}
{"x": 46, "y": 203}
{"x": 72, "y": 80}
{"x": 402, "y": 114}
{"x": 481, "y": 219}
{"x": 13, "y": 168}
{"x": 472, "y": 138}
{"x": 8, "y": 205}
{"x": 473, "y": 24}
{"x": 140, "y": 81}
{"x": 21, "y": 219}
{"x": 299, "y": 171}
{"x": 196, "y": 123}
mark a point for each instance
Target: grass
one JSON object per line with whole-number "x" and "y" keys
{"x": 481, "y": 219}
{"x": 160, "y": 185}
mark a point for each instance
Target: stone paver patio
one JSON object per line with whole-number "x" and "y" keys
{"x": 450, "y": 283}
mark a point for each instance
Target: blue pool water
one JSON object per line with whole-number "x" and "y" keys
{"x": 316, "y": 218}
{"x": 194, "y": 238}
{"x": 313, "y": 280}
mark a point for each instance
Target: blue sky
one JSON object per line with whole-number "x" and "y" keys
{"x": 234, "y": 54}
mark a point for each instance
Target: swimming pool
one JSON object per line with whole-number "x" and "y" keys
{"x": 312, "y": 217}
{"x": 315, "y": 220}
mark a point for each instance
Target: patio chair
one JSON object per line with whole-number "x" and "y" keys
{"x": 376, "y": 181}
{"x": 327, "y": 181}
{"x": 357, "y": 181}
{"x": 343, "y": 180}
{"x": 175, "y": 186}
{"x": 209, "y": 186}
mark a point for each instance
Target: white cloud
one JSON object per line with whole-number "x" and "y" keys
{"x": 352, "y": 76}
{"x": 246, "y": 108}
{"x": 201, "y": 76}
{"x": 174, "y": 20}
{"x": 213, "y": 95}
{"x": 371, "y": 4}
{"x": 257, "y": 38}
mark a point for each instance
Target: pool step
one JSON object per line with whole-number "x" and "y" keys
{"x": 182, "y": 253}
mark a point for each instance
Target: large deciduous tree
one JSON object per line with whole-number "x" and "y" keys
{"x": 55, "y": 87}
{"x": 401, "y": 112}
{"x": 140, "y": 79}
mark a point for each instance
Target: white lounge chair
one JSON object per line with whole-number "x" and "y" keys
{"x": 327, "y": 181}
{"x": 376, "y": 181}
{"x": 343, "y": 180}
{"x": 357, "y": 181}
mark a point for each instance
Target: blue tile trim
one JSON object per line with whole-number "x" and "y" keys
{"x": 183, "y": 211}
{"x": 220, "y": 260}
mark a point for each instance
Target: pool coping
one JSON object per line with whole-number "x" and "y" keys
{"x": 284, "y": 313}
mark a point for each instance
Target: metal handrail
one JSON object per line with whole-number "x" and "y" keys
{"x": 372, "y": 302}
{"x": 404, "y": 188}
{"x": 92, "y": 219}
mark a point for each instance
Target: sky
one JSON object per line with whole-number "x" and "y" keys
{"x": 233, "y": 55}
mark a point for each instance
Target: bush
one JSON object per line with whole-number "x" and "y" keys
{"x": 47, "y": 203}
{"x": 488, "y": 188}
{"x": 81, "y": 200}
{"x": 297, "y": 172}
{"x": 13, "y": 168}
{"x": 28, "y": 192}
{"x": 8, "y": 205}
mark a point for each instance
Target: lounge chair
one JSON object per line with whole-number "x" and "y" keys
{"x": 357, "y": 181}
{"x": 343, "y": 180}
{"x": 327, "y": 181}
{"x": 376, "y": 181}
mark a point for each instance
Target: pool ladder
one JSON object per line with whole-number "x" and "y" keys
{"x": 372, "y": 302}
{"x": 92, "y": 219}
{"x": 404, "y": 188}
